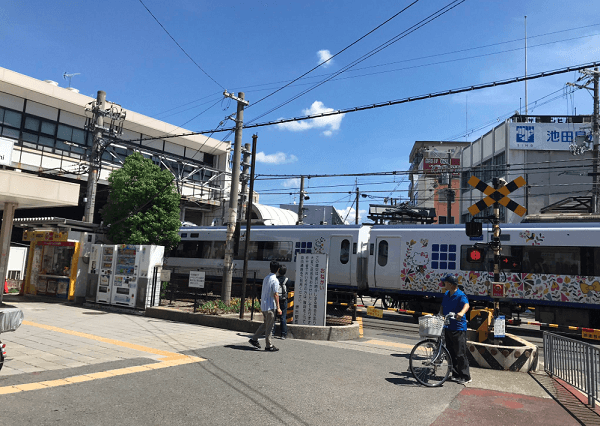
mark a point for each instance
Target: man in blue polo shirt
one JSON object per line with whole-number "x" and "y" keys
{"x": 456, "y": 331}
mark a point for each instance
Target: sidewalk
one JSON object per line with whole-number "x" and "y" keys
{"x": 59, "y": 336}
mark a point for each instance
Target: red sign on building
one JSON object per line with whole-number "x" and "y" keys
{"x": 440, "y": 165}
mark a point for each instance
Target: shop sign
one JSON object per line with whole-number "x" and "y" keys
{"x": 39, "y": 236}
{"x": 6, "y": 150}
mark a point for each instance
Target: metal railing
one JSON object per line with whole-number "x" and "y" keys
{"x": 575, "y": 362}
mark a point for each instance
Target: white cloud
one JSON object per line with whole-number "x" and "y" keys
{"x": 323, "y": 56}
{"x": 351, "y": 215}
{"x": 291, "y": 183}
{"x": 331, "y": 123}
{"x": 277, "y": 158}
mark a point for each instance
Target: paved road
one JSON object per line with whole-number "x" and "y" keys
{"x": 76, "y": 366}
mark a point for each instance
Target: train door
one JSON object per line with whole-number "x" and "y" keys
{"x": 340, "y": 261}
{"x": 386, "y": 258}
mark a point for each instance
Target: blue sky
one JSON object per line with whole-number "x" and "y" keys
{"x": 257, "y": 47}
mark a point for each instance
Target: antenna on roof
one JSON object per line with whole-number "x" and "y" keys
{"x": 69, "y": 76}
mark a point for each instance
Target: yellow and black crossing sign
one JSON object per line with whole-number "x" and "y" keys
{"x": 499, "y": 195}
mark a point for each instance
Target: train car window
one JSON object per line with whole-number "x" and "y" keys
{"x": 552, "y": 260}
{"x": 218, "y": 250}
{"x": 354, "y": 247}
{"x": 371, "y": 249}
{"x": 345, "y": 251}
{"x": 590, "y": 261}
{"x": 382, "y": 253}
{"x": 204, "y": 249}
{"x": 272, "y": 250}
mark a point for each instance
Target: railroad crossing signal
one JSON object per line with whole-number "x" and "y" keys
{"x": 497, "y": 195}
{"x": 510, "y": 262}
{"x": 475, "y": 254}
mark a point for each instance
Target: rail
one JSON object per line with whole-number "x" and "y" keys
{"x": 575, "y": 362}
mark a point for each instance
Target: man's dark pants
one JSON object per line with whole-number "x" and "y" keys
{"x": 456, "y": 342}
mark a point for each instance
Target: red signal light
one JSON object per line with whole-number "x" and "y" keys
{"x": 475, "y": 254}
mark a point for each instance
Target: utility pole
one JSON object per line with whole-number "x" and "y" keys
{"x": 248, "y": 226}
{"x": 245, "y": 178}
{"x": 301, "y": 203}
{"x": 356, "y": 213}
{"x": 449, "y": 191}
{"x": 106, "y": 124}
{"x": 596, "y": 152}
{"x": 233, "y": 197}
{"x": 595, "y": 135}
{"x": 98, "y": 111}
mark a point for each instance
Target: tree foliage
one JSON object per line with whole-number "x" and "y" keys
{"x": 143, "y": 204}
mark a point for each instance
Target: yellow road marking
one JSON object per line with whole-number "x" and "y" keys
{"x": 103, "y": 339}
{"x": 360, "y": 326}
{"x": 170, "y": 359}
{"x": 390, "y": 344}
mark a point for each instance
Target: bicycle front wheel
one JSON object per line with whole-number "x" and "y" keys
{"x": 426, "y": 366}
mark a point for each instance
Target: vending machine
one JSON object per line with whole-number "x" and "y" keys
{"x": 134, "y": 278}
{"x": 107, "y": 268}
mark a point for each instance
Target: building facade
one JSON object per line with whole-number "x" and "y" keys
{"x": 45, "y": 125}
{"x": 434, "y": 173}
{"x": 552, "y": 153}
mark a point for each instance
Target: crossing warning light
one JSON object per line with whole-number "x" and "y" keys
{"x": 475, "y": 254}
{"x": 510, "y": 262}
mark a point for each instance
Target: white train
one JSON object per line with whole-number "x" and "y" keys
{"x": 559, "y": 274}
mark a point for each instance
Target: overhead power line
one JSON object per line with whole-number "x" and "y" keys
{"x": 178, "y": 45}
{"x": 392, "y": 102}
{"x": 338, "y": 53}
{"x": 378, "y": 49}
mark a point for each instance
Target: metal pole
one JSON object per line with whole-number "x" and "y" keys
{"x": 596, "y": 151}
{"x": 248, "y": 225}
{"x": 356, "y": 213}
{"x": 95, "y": 157}
{"x": 526, "y": 109}
{"x": 301, "y": 203}
{"x": 233, "y": 200}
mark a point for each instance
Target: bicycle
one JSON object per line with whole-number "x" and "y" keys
{"x": 430, "y": 362}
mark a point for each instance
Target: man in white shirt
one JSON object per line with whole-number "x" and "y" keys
{"x": 269, "y": 304}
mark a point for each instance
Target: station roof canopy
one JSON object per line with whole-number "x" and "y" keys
{"x": 267, "y": 215}
{"x": 29, "y": 191}
{"x": 55, "y": 222}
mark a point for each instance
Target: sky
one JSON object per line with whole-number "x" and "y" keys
{"x": 173, "y": 60}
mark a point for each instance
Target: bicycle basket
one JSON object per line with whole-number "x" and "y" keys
{"x": 431, "y": 326}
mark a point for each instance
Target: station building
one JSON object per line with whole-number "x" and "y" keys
{"x": 43, "y": 131}
{"x": 553, "y": 154}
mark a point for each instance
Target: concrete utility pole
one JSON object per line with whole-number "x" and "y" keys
{"x": 301, "y": 203}
{"x": 8, "y": 216}
{"x": 233, "y": 197}
{"x": 596, "y": 152}
{"x": 595, "y": 135}
{"x": 95, "y": 156}
{"x": 248, "y": 226}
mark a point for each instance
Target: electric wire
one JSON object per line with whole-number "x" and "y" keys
{"x": 180, "y": 47}
{"x": 338, "y": 53}
{"x": 381, "y": 47}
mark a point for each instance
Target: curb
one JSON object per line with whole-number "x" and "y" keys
{"x": 233, "y": 322}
